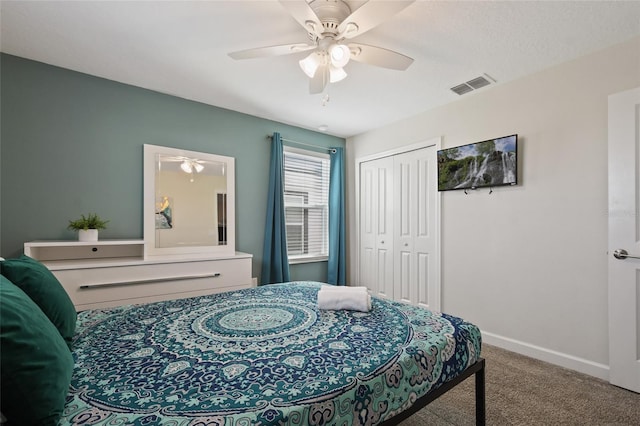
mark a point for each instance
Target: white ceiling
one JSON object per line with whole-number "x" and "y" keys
{"x": 180, "y": 48}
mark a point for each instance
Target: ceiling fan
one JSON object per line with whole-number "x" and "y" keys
{"x": 329, "y": 25}
{"x": 187, "y": 165}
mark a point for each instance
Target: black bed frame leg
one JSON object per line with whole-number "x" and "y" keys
{"x": 480, "y": 397}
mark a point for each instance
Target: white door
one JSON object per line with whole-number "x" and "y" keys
{"x": 404, "y": 207}
{"x": 416, "y": 267}
{"x": 376, "y": 226}
{"x": 624, "y": 234}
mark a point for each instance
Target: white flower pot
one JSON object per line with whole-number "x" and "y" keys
{"x": 88, "y": 235}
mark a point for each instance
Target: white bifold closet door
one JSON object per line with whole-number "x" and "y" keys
{"x": 376, "y": 226}
{"x": 399, "y": 243}
{"x": 414, "y": 235}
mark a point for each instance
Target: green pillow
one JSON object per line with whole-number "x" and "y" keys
{"x": 35, "y": 363}
{"x": 45, "y": 290}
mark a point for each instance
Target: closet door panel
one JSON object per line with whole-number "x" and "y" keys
{"x": 424, "y": 272}
{"x": 424, "y": 200}
{"x": 404, "y": 199}
{"x": 426, "y": 236}
{"x": 385, "y": 227}
{"x": 404, "y": 276}
{"x": 367, "y": 229}
{"x": 367, "y": 268}
{"x": 405, "y": 228}
{"x": 376, "y": 227}
{"x": 423, "y": 231}
{"x": 384, "y": 269}
{"x": 405, "y": 225}
{"x": 415, "y": 240}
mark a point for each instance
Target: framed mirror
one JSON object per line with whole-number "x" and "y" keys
{"x": 189, "y": 202}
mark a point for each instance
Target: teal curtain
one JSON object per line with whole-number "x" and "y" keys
{"x": 275, "y": 266}
{"x": 337, "y": 264}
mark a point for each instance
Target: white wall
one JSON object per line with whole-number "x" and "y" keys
{"x": 528, "y": 264}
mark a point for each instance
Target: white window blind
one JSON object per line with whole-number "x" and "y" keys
{"x": 306, "y": 199}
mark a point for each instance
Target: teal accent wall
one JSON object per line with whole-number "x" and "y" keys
{"x": 72, "y": 143}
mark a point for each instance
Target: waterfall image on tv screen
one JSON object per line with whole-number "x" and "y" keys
{"x": 488, "y": 163}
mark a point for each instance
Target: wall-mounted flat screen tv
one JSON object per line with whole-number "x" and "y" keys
{"x": 482, "y": 164}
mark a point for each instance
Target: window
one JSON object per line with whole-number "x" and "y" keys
{"x": 306, "y": 200}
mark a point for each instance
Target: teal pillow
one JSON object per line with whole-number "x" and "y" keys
{"x": 45, "y": 290}
{"x": 35, "y": 363}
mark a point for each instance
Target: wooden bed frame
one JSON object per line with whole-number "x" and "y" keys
{"x": 477, "y": 368}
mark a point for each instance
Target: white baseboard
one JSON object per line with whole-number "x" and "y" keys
{"x": 571, "y": 362}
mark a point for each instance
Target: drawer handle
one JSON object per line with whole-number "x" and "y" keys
{"x": 151, "y": 280}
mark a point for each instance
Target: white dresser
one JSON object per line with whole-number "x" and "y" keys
{"x": 115, "y": 272}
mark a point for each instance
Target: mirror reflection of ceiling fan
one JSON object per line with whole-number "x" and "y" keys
{"x": 330, "y": 25}
{"x": 188, "y": 165}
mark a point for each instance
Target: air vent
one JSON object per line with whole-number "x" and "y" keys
{"x": 473, "y": 84}
{"x": 462, "y": 89}
{"x": 479, "y": 82}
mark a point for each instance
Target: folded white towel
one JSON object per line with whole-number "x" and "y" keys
{"x": 348, "y": 298}
{"x": 344, "y": 288}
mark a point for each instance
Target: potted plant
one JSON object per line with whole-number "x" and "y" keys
{"x": 88, "y": 226}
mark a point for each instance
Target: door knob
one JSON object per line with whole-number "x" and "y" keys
{"x": 623, "y": 254}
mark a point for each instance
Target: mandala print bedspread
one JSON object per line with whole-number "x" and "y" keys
{"x": 261, "y": 356}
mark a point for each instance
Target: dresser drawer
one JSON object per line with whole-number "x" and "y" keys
{"x": 100, "y": 287}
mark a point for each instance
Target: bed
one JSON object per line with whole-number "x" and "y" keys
{"x": 266, "y": 355}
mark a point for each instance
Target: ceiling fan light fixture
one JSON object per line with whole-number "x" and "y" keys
{"x": 310, "y": 64}
{"x": 186, "y": 167}
{"x": 339, "y": 54}
{"x": 336, "y": 74}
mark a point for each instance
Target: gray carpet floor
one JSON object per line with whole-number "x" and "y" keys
{"x": 525, "y": 391}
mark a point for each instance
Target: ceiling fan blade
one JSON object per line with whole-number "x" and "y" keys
{"x": 379, "y": 56}
{"x": 368, "y": 16}
{"x": 302, "y": 12}
{"x": 263, "y": 52}
{"x": 319, "y": 80}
